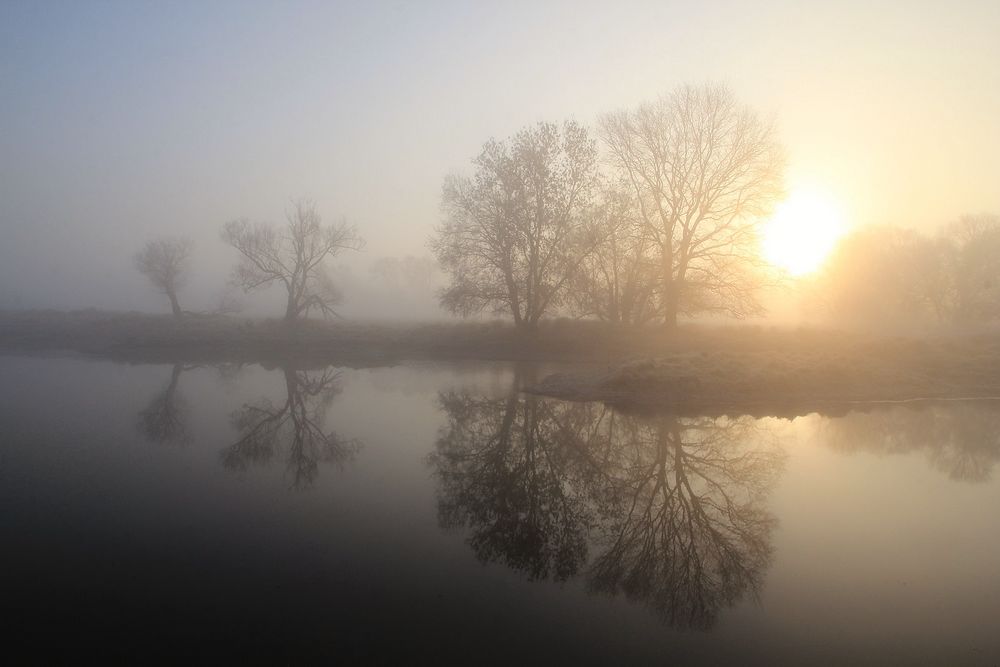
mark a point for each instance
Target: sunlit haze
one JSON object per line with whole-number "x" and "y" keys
{"x": 541, "y": 332}
{"x": 122, "y": 121}
{"x": 803, "y": 231}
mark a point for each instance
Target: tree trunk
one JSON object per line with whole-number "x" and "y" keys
{"x": 291, "y": 309}
{"x": 670, "y": 307}
{"x": 174, "y": 305}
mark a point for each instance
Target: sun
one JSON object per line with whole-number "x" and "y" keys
{"x": 802, "y": 232}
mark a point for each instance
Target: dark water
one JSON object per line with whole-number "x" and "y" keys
{"x": 431, "y": 512}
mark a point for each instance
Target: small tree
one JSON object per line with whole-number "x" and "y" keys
{"x": 512, "y": 237}
{"x": 292, "y": 256}
{"x": 705, "y": 171}
{"x": 166, "y": 262}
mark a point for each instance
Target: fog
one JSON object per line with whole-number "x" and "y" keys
{"x": 123, "y": 122}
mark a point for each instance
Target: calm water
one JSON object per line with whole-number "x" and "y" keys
{"x": 431, "y": 511}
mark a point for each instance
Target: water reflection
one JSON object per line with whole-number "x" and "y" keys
{"x": 164, "y": 420}
{"x": 294, "y": 429}
{"x": 961, "y": 439}
{"x": 672, "y": 506}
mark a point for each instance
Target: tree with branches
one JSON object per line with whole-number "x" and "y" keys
{"x": 705, "y": 171}
{"x": 515, "y": 232}
{"x": 293, "y": 256}
{"x": 616, "y": 282}
{"x": 166, "y": 262}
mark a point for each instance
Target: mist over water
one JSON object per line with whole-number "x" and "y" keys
{"x": 534, "y": 333}
{"x": 211, "y": 501}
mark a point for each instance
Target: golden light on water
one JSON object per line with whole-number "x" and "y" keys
{"x": 803, "y": 231}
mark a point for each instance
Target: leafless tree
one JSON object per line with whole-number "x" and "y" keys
{"x": 616, "y": 282}
{"x": 166, "y": 263}
{"x": 292, "y": 256}
{"x": 705, "y": 171}
{"x": 513, "y": 234}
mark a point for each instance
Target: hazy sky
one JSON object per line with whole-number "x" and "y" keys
{"x": 123, "y": 121}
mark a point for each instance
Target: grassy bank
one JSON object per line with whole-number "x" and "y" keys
{"x": 139, "y": 336}
{"x": 817, "y": 372}
{"x": 691, "y": 368}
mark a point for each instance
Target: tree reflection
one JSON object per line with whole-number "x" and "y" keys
{"x": 294, "y": 429}
{"x": 690, "y": 535}
{"x": 504, "y": 473}
{"x": 671, "y": 506}
{"x": 961, "y": 439}
{"x": 164, "y": 419}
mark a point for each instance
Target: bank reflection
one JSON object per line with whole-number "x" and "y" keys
{"x": 293, "y": 430}
{"x": 667, "y": 511}
{"x": 959, "y": 438}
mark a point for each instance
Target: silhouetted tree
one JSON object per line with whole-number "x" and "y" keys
{"x": 705, "y": 171}
{"x": 293, "y": 256}
{"x": 617, "y": 280}
{"x": 295, "y": 427}
{"x": 515, "y": 233}
{"x": 165, "y": 262}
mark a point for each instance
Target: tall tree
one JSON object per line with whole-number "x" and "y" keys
{"x": 512, "y": 238}
{"x": 617, "y": 281}
{"x": 166, "y": 263}
{"x": 705, "y": 170}
{"x": 293, "y": 256}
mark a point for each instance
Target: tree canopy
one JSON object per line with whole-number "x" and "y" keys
{"x": 515, "y": 231}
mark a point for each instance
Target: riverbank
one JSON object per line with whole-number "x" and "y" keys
{"x": 208, "y": 338}
{"x": 141, "y": 336}
{"x": 830, "y": 378}
{"x": 695, "y": 367}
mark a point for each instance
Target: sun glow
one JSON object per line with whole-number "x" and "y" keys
{"x": 802, "y": 232}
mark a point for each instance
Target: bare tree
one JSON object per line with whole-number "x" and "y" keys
{"x": 617, "y": 281}
{"x": 705, "y": 170}
{"x": 292, "y": 256}
{"x": 512, "y": 236}
{"x": 166, "y": 263}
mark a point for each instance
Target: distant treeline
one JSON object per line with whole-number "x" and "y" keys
{"x": 887, "y": 274}
{"x": 654, "y": 217}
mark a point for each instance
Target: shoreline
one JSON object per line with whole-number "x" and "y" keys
{"x": 695, "y": 368}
